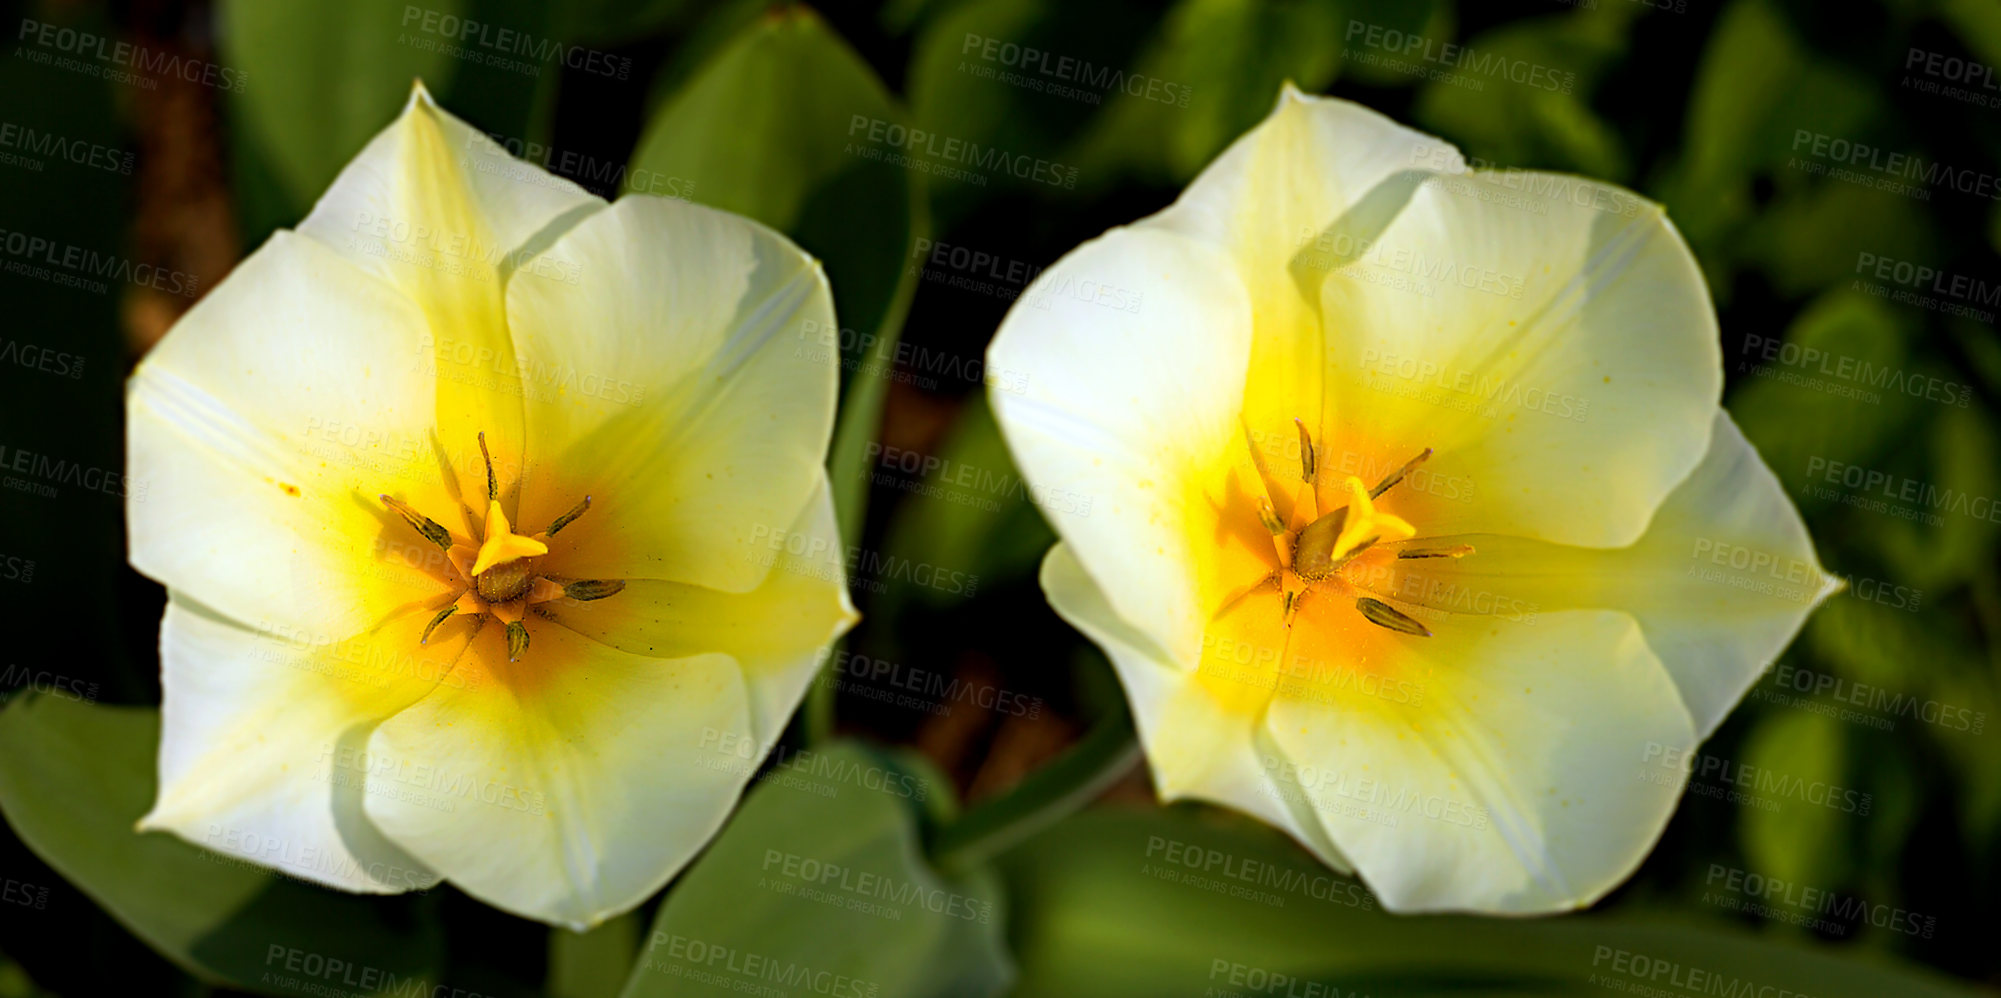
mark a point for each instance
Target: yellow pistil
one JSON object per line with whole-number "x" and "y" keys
{"x": 502, "y": 544}
{"x": 500, "y": 577}
{"x": 1364, "y": 526}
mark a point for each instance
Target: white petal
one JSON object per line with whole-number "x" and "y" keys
{"x": 261, "y": 431}
{"x": 1195, "y": 751}
{"x": 687, "y": 378}
{"x": 778, "y": 633}
{"x": 1519, "y": 784}
{"x": 1134, "y": 408}
{"x": 1552, "y": 341}
{"x": 438, "y": 209}
{"x": 260, "y": 733}
{"x": 567, "y": 787}
{"x": 1721, "y": 582}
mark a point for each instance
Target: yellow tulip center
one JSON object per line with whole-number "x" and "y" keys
{"x": 499, "y": 577}
{"x": 1314, "y": 549}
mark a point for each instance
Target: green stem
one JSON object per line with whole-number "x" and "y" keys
{"x": 1041, "y": 799}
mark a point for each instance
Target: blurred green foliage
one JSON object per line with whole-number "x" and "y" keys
{"x": 1701, "y": 106}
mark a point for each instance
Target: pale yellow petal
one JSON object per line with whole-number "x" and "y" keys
{"x": 261, "y": 431}
{"x": 1722, "y": 580}
{"x": 567, "y": 787}
{"x": 1551, "y": 339}
{"x": 685, "y": 382}
{"x": 1135, "y": 409}
{"x": 1522, "y": 782}
{"x": 261, "y": 742}
{"x": 425, "y": 208}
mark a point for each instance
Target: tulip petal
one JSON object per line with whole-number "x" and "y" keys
{"x": 684, "y": 382}
{"x": 1519, "y": 784}
{"x": 570, "y": 785}
{"x": 261, "y": 737}
{"x": 1195, "y": 750}
{"x": 261, "y": 432}
{"x": 778, "y": 633}
{"x": 1135, "y": 409}
{"x": 1550, "y": 339}
{"x": 438, "y": 209}
{"x": 1275, "y": 193}
{"x": 1723, "y": 579}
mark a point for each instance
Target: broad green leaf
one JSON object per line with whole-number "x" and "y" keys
{"x": 778, "y": 126}
{"x": 74, "y": 780}
{"x": 1828, "y": 396}
{"x": 818, "y": 885}
{"x": 1803, "y": 842}
{"x": 321, "y": 77}
{"x": 1517, "y": 96}
{"x": 968, "y": 509}
{"x": 1222, "y": 63}
{"x": 593, "y": 964}
{"x": 1182, "y": 902}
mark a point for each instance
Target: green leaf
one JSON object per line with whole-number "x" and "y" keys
{"x": 1807, "y": 403}
{"x": 818, "y": 884}
{"x": 1962, "y": 472}
{"x": 593, "y": 964}
{"x": 1226, "y": 61}
{"x": 321, "y": 77}
{"x": 1802, "y": 842}
{"x": 74, "y": 780}
{"x": 1146, "y": 903}
{"x": 765, "y": 129}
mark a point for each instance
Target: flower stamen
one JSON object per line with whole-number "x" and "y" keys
{"x": 1383, "y": 615}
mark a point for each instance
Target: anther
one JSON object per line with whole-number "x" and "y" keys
{"x": 517, "y": 640}
{"x": 1445, "y": 551}
{"x": 1383, "y": 615}
{"x": 585, "y": 590}
{"x": 1265, "y": 513}
{"x": 1307, "y": 464}
{"x": 492, "y": 487}
{"x": 575, "y": 511}
{"x": 420, "y": 523}
{"x": 435, "y": 621}
{"x": 1398, "y": 475}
